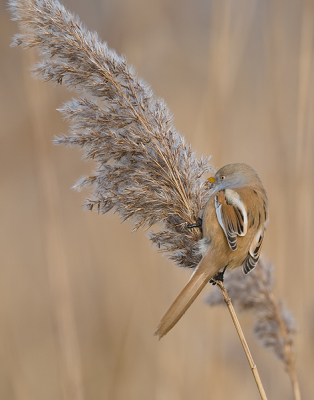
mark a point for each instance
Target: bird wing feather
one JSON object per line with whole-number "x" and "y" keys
{"x": 232, "y": 215}
{"x": 254, "y": 252}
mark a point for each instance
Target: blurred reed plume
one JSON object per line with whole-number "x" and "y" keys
{"x": 145, "y": 170}
{"x": 274, "y": 325}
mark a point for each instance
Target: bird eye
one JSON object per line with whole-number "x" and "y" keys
{"x": 222, "y": 177}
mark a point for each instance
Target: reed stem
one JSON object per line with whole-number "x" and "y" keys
{"x": 243, "y": 340}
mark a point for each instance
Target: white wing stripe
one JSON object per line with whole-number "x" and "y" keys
{"x": 218, "y": 213}
{"x": 234, "y": 198}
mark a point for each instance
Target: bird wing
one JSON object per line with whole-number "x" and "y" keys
{"x": 232, "y": 215}
{"x": 254, "y": 252}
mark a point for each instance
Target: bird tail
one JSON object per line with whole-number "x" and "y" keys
{"x": 187, "y": 296}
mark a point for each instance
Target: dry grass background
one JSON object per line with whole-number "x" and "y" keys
{"x": 80, "y": 296}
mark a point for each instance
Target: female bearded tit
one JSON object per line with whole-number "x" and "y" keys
{"x": 233, "y": 225}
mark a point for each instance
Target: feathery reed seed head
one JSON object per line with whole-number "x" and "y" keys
{"x": 145, "y": 170}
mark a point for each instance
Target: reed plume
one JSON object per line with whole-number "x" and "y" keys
{"x": 145, "y": 169}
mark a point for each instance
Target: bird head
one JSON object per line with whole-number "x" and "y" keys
{"x": 234, "y": 176}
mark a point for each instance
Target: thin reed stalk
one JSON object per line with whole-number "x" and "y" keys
{"x": 274, "y": 325}
{"x": 243, "y": 340}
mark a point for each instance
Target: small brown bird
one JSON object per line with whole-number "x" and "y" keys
{"x": 233, "y": 225}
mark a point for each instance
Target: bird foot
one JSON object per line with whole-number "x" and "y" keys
{"x": 197, "y": 224}
{"x": 218, "y": 277}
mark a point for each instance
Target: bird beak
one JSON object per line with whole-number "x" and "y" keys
{"x": 212, "y": 180}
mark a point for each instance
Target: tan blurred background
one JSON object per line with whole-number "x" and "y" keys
{"x": 80, "y": 295}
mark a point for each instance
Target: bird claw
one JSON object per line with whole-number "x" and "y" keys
{"x": 218, "y": 277}
{"x": 197, "y": 224}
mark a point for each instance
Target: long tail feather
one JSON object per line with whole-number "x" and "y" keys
{"x": 187, "y": 296}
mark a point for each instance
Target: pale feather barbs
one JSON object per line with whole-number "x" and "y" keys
{"x": 233, "y": 226}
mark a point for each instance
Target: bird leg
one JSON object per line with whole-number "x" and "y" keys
{"x": 218, "y": 277}
{"x": 197, "y": 224}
